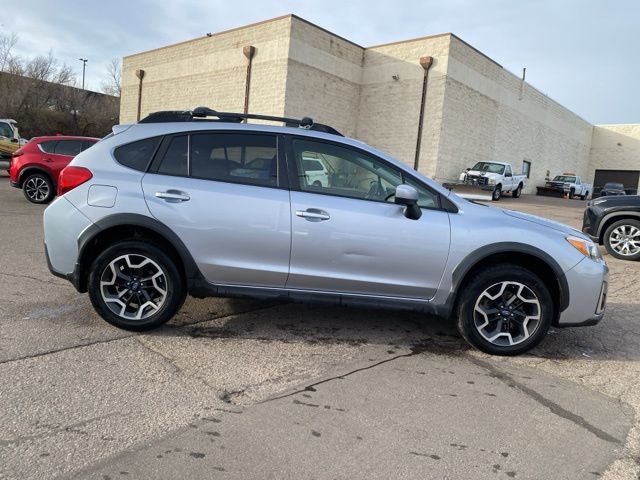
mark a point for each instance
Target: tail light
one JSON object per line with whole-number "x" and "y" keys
{"x": 70, "y": 177}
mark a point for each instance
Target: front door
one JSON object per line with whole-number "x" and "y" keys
{"x": 348, "y": 235}
{"x": 220, "y": 193}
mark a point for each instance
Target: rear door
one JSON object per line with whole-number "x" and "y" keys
{"x": 348, "y": 236}
{"x": 224, "y": 194}
{"x": 63, "y": 153}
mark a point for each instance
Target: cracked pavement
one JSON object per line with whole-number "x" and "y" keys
{"x": 250, "y": 389}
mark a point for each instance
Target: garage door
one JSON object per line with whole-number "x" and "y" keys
{"x": 629, "y": 178}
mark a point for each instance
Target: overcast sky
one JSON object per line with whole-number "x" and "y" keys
{"x": 583, "y": 53}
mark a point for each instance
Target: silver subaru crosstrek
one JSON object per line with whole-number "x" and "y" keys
{"x": 199, "y": 203}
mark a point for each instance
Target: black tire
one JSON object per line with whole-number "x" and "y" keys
{"x": 497, "y": 193}
{"x": 572, "y": 193}
{"x": 487, "y": 280}
{"x": 517, "y": 192}
{"x": 173, "y": 285}
{"x": 38, "y": 188}
{"x": 585, "y": 196}
{"x": 629, "y": 224}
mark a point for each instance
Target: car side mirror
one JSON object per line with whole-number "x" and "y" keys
{"x": 508, "y": 175}
{"x": 408, "y": 196}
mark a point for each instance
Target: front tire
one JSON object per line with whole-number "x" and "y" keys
{"x": 504, "y": 310}
{"x": 38, "y": 188}
{"x": 497, "y": 193}
{"x": 585, "y": 196}
{"x": 622, "y": 239}
{"x": 135, "y": 286}
{"x": 572, "y": 193}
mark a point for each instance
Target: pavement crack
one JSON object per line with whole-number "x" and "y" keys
{"x": 167, "y": 359}
{"x": 415, "y": 350}
{"x": 46, "y": 282}
{"x": 544, "y": 401}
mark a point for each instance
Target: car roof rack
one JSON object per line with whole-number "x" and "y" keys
{"x": 207, "y": 114}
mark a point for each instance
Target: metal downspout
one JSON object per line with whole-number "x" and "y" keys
{"x": 140, "y": 75}
{"x": 249, "y": 52}
{"x": 425, "y": 63}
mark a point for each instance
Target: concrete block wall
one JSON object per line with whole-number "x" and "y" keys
{"x": 211, "y": 71}
{"x": 490, "y": 114}
{"x": 615, "y": 147}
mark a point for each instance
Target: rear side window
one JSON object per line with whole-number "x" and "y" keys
{"x": 70, "y": 148}
{"x": 235, "y": 157}
{"x": 48, "y": 147}
{"x": 137, "y": 155}
{"x": 174, "y": 160}
{"x": 87, "y": 143}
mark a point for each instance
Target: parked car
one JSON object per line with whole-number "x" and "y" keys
{"x": 495, "y": 177}
{"x": 35, "y": 167}
{"x": 10, "y": 140}
{"x": 612, "y": 189}
{"x": 568, "y": 184}
{"x": 614, "y": 221}
{"x": 165, "y": 208}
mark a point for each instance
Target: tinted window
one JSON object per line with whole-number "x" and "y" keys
{"x": 137, "y": 155}
{"x": 174, "y": 160}
{"x": 70, "y": 148}
{"x": 49, "y": 147}
{"x": 235, "y": 157}
{"x": 5, "y": 130}
{"x": 86, "y": 144}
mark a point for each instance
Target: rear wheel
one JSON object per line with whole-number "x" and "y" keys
{"x": 504, "y": 310}
{"x": 497, "y": 193}
{"x": 516, "y": 193}
{"x": 622, "y": 239}
{"x": 38, "y": 188}
{"x": 135, "y": 286}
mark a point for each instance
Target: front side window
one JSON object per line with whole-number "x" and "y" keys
{"x": 5, "y": 130}
{"x": 507, "y": 170}
{"x": 235, "y": 157}
{"x": 335, "y": 170}
{"x": 70, "y": 148}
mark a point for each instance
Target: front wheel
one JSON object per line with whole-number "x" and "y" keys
{"x": 135, "y": 286}
{"x": 504, "y": 310}
{"x": 497, "y": 193}
{"x": 622, "y": 239}
{"x": 572, "y": 193}
{"x": 585, "y": 196}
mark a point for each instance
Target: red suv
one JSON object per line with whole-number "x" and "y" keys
{"x": 35, "y": 167}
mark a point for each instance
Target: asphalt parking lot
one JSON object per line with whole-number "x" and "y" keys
{"x": 247, "y": 389}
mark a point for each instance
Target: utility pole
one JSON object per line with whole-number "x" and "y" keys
{"x": 84, "y": 66}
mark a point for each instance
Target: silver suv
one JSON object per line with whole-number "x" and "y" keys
{"x": 199, "y": 203}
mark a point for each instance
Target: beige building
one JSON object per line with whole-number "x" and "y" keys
{"x": 473, "y": 108}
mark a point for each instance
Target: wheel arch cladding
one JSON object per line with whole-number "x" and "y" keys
{"x": 526, "y": 256}
{"x": 613, "y": 217}
{"x": 30, "y": 170}
{"x": 129, "y": 226}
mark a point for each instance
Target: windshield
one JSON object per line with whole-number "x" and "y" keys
{"x": 489, "y": 167}
{"x": 564, "y": 178}
{"x": 616, "y": 186}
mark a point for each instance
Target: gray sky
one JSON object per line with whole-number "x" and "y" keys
{"x": 584, "y": 54}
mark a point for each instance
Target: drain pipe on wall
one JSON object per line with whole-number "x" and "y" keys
{"x": 249, "y": 52}
{"x": 140, "y": 75}
{"x": 425, "y": 63}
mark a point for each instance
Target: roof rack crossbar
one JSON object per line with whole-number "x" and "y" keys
{"x": 205, "y": 112}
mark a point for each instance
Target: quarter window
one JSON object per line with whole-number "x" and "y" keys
{"x": 137, "y": 155}
{"x": 235, "y": 157}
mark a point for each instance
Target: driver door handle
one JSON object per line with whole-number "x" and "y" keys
{"x": 313, "y": 214}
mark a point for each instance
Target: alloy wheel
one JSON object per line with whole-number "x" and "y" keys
{"x": 625, "y": 240}
{"x": 133, "y": 286}
{"x": 507, "y": 313}
{"x": 36, "y": 188}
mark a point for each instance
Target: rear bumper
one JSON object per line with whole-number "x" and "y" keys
{"x": 588, "y": 283}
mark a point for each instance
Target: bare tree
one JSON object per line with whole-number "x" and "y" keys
{"x": 7, "y": 42}
{"x": 111, "y": 85}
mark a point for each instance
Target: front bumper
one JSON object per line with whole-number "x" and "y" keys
{"x": 588, "y": 283}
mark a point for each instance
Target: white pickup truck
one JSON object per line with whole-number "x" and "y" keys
{"x": 571, "y": 185}
{"x": 495, "y": 178}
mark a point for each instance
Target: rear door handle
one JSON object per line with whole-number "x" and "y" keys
{"x": 313, "y": 214}
{"x": 173, "y": 196}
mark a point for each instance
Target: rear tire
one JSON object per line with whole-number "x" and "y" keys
{"x": 504, "y": 310}
{"x": 517, "y": 192}
{"x": 38, "y": 188}
{"x": 618, "y": 238}
{"x": 135, "y": 286}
